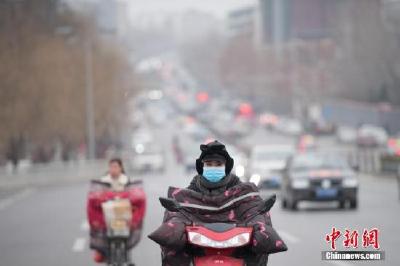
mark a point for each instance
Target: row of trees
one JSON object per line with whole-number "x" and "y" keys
{"x": 43, "y": 79}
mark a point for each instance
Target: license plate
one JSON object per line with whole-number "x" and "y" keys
{"x": 326, "y": 193}
{"x": 119, "y": 225}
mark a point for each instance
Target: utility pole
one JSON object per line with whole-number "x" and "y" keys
{"x": 90, "y": 125}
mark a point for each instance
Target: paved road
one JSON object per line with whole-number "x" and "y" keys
{"x": 45, "y": 226}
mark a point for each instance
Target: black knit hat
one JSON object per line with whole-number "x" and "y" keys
{"x": 214, "y": 157}
{"x": 214, "y": 151}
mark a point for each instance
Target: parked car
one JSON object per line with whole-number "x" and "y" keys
{"x": 289, "y": 126}
{"x": 267, "y": 163}
{"x": 190, "y": 154}
{"x": 318, "y": 177}
{"x": 240, "y": 167}
{"x": 393, "y": 146}
{"x": 390, "y": 157}
{"x": 148, "y": 158}
{"x": 371, "y": 136}
{"x": 268, "y": 120}
{"x": 321, "y": 127}
{"x": 346, "y": 134}
{"x": 241, "y": 127}
{"x": 196, "y": 131}
{"x": 222, "y": 124}
{"x": 141, "y": 137}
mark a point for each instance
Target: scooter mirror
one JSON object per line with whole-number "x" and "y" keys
{"x": 267, "y": 204}
{"x": 169, "y": 204}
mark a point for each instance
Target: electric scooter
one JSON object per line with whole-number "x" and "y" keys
{"x": 218, "y": 241}
{"x": 118, "y": 214}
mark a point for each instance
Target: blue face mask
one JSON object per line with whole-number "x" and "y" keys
{"x": 214, "y": 174}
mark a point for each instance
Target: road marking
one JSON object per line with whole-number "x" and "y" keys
{"x": 288, "y": 237}
{"x": 79, "y": 244}
{"x": 85, "y": 226}
{"x": 340, "y": 263}
{"x": 16, "y": 197}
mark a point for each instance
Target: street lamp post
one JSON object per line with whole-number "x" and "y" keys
{"x": 90, "y": 125}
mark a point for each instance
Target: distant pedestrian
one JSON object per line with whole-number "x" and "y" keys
{"x": 14, "y": 152}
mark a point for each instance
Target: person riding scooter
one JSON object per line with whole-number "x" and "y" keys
{"x": 114, "y": 185}
{"x": 215, "y": 188}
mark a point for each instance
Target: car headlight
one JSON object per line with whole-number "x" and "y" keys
{"x": 239, "y": 171}
{"x": 300, "y": 183}
{"x": 350, "y": 182}
{"x": 255, "y": 178}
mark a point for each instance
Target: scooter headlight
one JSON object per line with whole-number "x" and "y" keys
{"x": 203, "y": 241}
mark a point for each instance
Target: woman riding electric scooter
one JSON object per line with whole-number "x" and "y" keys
{"x": 216, "y": 196}
{"x": 126, "y": 195}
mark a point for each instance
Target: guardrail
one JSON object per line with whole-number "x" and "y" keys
{"x": 366, "y": 160}
{"x": 52, "y": 172}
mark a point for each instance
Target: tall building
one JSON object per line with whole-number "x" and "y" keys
{"x": 280, "y": 21}
{"x": 241, "y": 21}
{"x": 273, "y": 21}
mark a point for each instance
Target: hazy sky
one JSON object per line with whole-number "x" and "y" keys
{"x": 218, "y": 7}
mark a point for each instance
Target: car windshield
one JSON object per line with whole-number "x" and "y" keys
{"x": 147, "y": 149}
{"x": 372, "y": 130}
{"x": 318, "y": 161}
{"x": 272, "y": 155}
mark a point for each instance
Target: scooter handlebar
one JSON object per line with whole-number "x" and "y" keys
{"x": 170, "y": 204}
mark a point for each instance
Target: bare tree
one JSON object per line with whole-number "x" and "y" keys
{"x": 42, "y": 83}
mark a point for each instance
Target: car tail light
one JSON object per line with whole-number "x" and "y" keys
{"x": 201, "y": 240}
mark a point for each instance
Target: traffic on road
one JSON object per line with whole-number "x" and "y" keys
{"x": 238, "y": 133}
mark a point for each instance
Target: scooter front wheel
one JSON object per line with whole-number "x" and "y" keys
{"x": 119, "y": 255}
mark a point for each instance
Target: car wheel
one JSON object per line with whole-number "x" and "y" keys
{"x": 353, "y": 204}
{"x": 284, "y": 203}
{"x": 342, "y": 204}
{"x": 294, "y": 205}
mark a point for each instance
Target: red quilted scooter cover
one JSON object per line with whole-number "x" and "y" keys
{"x": 100, "y": 193}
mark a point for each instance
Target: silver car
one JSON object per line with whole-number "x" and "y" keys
{"x": 267, "y": 163}
{"x": 148, "y": 158}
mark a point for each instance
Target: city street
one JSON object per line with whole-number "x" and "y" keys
{"x": 303, "y": 95}
{"x": 46, "y": 225}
